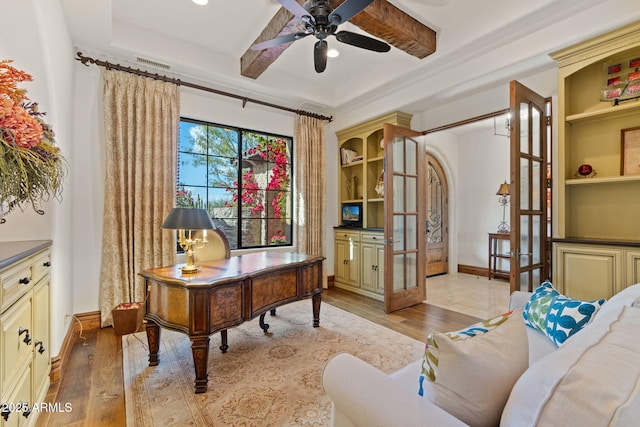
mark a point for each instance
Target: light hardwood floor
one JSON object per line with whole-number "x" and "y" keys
{"x": 92, "y": 380}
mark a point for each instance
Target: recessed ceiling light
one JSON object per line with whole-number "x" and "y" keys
{"x": 200, "y": 2}
{"x": 332, "y": 53}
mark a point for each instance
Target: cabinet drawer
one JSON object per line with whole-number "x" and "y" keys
{"x": 15, "y": 282}
{"x": 373, "y": 238}
{"x": 353, "y": 236}
{"x": 41, "y": 265}
{"x": 15, "y": 351}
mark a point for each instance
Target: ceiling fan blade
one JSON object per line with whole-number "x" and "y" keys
{"x": 347, "y": 10}
{"x": 294, "y": 7}
{"x": 364, "y": 42}
{"x": 320, "y": 55}
{"x": 287, "y": 38}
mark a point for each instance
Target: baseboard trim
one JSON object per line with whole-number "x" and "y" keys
{"x": 80, "y": 322}
{"x": 470, "y": 269}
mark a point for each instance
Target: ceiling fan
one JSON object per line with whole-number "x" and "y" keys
{"x": 319, "y": 19}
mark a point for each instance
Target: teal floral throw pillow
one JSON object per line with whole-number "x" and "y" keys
{"x": 557, "y": 315}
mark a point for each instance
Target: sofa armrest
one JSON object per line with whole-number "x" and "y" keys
{"x": 519, "y": 299}
{"x": 364, "y": 396}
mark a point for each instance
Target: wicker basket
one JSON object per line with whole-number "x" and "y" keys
{"x": 127, "y": 317}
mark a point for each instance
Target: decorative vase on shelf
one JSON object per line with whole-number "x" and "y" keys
{"x": 379, "y": 188}
{"x": 585, "y": 171}
{"x": 352, "y": 187}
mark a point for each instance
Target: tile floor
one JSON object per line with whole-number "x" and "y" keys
{"x": 469, "y": 294}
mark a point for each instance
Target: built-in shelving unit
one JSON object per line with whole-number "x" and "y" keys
{"x": 599, "y": 209}
{"x": 359, "y": 253}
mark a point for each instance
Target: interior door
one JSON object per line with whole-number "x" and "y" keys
{"x": 528, "y": 188}
{"x": 404, "y": 217}
{"x": 437, "y": 216}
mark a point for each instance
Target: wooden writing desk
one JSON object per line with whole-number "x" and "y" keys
{"x": 224, "y": 294}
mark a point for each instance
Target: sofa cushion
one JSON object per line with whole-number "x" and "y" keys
{"x": 469, "y": 373}
{"x": 558, "y": 316}
{"x": 593, "y": 380}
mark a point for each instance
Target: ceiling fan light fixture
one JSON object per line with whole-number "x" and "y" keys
{"x": 200, "y": 2}
{"x": 333, "y": 53}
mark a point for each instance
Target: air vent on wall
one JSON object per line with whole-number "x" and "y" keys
{"x": 151, "y": 63}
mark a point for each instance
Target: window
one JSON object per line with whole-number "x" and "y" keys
{"x": 242, "y": 177}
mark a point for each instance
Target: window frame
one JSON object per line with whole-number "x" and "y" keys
{"x": 240, "y": 132}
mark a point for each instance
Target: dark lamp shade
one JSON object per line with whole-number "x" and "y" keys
{"x": 503, "y": 190}
{"x": 188, "y": 219}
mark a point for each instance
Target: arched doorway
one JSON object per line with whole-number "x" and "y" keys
{"x": 437, "y": 224}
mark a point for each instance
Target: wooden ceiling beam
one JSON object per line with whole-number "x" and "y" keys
{"x": 381, "y": 19}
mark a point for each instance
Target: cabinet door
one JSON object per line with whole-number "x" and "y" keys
{"x": 20, "y": 402}
{"x": 588, "y": 272}
{"x": 632, "y": 267}
{"x": 16, "y": 339}
{"x": 347, "y": 262}
{"x": 369, "y": 261}
{"x": 41, "y": 354}
{"x": 379, "y": 269}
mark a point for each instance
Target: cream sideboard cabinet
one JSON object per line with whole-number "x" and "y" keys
{"x": 25, "y": 360}
{"x": 360, "y": 261}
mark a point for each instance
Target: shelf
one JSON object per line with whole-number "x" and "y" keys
{"x": 605, "y": 111}
{"x": 376, "y": 159}
{"x": 377, "y": 200}
{"x": 603, "y": 180}
{"x": 359, "y": 162}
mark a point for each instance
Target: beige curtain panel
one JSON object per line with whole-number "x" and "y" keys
{"x": 310, "y": 186}
{"x": 141, "y": 118}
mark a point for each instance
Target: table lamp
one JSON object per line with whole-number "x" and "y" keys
{"x": 186, "y": 221}
{"x": 503, "y": 192}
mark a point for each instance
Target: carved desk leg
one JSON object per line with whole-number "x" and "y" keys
{"x": 153, "y": 339}
{"x": 224, "y": 346}
{"x": 200, "y": 350}
{"x": 317, "y": 298}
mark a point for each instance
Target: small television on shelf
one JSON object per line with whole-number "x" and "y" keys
{"x": 351, "y": 215}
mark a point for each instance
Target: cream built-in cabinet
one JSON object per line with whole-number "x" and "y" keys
{"x": 359, "y": 252}
{"x": 25, "y": 360}
{"x": 598, "y": 238}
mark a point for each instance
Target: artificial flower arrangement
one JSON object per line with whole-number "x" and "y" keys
{"x": 32, "y": 168}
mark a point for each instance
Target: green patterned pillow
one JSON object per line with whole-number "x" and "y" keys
{"x": 536, "y": 309}
{"x": 558, "y": 316}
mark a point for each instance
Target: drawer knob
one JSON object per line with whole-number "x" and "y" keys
{"x": 27, "y": 411}
{"x": 47, "y": 264}
{"x": 27, "y": 337}
{"x": 40, "y": 344}
{"x": 25, "y": 280}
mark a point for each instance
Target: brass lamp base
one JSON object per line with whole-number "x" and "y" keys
{"x": 189, "y": 269}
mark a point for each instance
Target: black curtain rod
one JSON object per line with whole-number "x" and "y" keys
{"x": 86, "y": 60}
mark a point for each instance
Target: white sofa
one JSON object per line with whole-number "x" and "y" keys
{"x": 593, "y": 379}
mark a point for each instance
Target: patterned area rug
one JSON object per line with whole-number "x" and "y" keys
{"x": 264, "y": 379}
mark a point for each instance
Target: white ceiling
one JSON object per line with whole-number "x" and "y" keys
{"x": 479, "y": 44}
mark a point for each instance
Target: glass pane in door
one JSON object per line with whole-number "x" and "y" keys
{"x": 524, "y": 128}
{"x": 525, "y": 168}
{"x": 536, "y": 141}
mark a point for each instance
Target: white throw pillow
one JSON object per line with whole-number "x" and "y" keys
{"x": 470, "y": 373}
{"x": 593, "y": 380}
